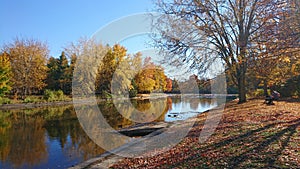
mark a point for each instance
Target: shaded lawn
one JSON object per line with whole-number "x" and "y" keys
{"x": 250, "y": 135}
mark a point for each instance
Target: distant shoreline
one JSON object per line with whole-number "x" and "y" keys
{"x": 13, "y": 106}
{"x": 33, "y": 105}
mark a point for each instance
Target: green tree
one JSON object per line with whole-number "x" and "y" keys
{"x": 57, "y": 78}
{"x": 175, "y": 86}
{"x": 68, "y": 75}
{"x": 63, "y": 65}
{"x": 53, "y": 74}
{"x": 5, "y": 74}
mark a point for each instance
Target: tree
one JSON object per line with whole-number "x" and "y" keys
{"x": 63, "y": 65}
{"x": 57, "y": 78}
{"x": 68, "y": 75}
{"x": 175, "y": 86}
{"x": 28, "y": 59}
{"x": 199, "y": 32}
{"x": 113, "y": 58}
{"x": 169, "y": 85}
{"x": 53, "y": 74}
{"x": 5, "y": 74}
{"x": 276, "y": 49}
{"x": 88, "y": 55}
{"x": 151, "y": 78}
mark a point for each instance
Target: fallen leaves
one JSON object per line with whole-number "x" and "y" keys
{"x": 250, "y": 135}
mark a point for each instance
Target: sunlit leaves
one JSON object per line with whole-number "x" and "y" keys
{"x": 28, "y": 59}
{"x": 5, "y": 74}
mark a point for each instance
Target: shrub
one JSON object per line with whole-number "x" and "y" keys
{"x": 258, "y": 92}
{"x": 4, "y": 100}
{"x": 291, "y": 87}
{"x": 59, "y": 95}
{"x": 54, "y": 95}
{"x": 132, "y": 93}
{"x": 31, "y": 99}
{"x": 49, "y": 95}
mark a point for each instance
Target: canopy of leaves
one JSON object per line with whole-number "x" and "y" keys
{"x": 28, "y": 59}
{"x": 5, "y": 74}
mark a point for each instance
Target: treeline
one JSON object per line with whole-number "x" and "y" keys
{"x": 26, "y": 69}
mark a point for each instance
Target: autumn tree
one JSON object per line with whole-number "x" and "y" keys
{"x": 276, "y": 50}
{"x": 5, "y": 74}
{"x": 28, "y": 59}
{"x": 86, "y": 56}
{"x": 115, "y": 57}
{"x": 168, "y": 85}
{"x": 200, "y": 32}
{"x": 123, "y": 81}
{"x": 151, "y": 78}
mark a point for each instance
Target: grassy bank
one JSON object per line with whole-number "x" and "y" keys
{"x": 49, "y": 98}
{"x": 250, "y": 135}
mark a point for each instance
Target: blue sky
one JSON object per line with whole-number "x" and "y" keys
{"x": 61, "y": 22}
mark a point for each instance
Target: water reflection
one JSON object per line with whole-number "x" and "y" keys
{"x": 53, "y": 137}
{"x": 43, "y": 138}
{"x": 183, "y": 109}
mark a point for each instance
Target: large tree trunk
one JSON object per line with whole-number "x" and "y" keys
{"x": 241, "y": 72}
{"x": 242, "y": 89}
{"x": 265, "y": 87}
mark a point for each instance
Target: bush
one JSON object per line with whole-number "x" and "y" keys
{"x": 4, "y": 100}
{"x": 31, "y": 99}
{"x": 49, "y": 95}
{"x": 291, "y": 87}
{"x": 132, "y": 93}
{"x": 60, "y": 95}
{"x": 258, "y": 93}
{"x": 54, "y": 95}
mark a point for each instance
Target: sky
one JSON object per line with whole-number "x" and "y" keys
{"x": 60, "y": 22}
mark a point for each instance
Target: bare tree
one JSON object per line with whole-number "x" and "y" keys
{"x": 199, "y": 32}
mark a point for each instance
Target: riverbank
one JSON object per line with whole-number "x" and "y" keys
{"x": 33, "y": 105}
{"x": 68, "y": 100}
{"x": 249, "y": 135}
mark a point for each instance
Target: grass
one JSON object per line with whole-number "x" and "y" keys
{"x": 250, "y": 135}
{"x": 49, "y": 96}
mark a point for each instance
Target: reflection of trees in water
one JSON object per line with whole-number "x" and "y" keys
{"x": 146, "y": 110}
{"x": 176, "y": 99}
{"x": 169, "y": 103}
{"x": 112, "y": 115}
{"x": 80, "y": 145}
{"x": 141, "y": 105}
{"x": 23, "y": 141}
{"x": 22, "y": 132}
{"x": 207, "y": 102}
{"x": 194, "y": 103}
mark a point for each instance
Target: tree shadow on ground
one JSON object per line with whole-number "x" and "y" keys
{"x": 263, "y": 147}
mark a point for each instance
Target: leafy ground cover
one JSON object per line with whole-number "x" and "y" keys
{"x": 250, "y": 135}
